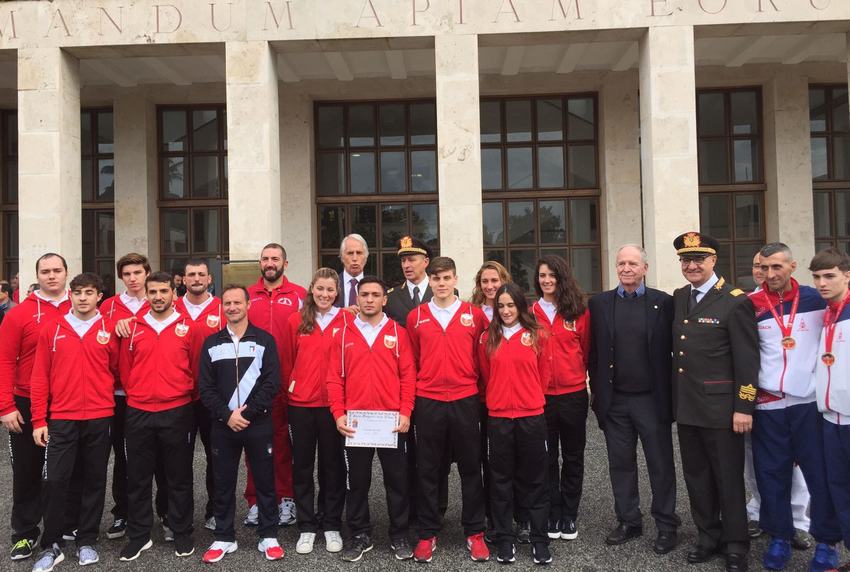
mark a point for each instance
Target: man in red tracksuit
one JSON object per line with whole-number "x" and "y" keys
{"x": 444, "y": 335}
{"x": 372, "y": 368}
{"x": 163, "y": 350}
{"x": 19, "y": 333}
{"x": 273, "y": 300}
{"x": 72, "y": 385}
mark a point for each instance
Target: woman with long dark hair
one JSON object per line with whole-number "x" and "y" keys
{"x": 311, "y": 425}
{"x": 514, "y": 366}
{"x": 562, "y": 311}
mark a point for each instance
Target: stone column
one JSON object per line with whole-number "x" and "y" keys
{"x": 49, "y": 158}
{"x": 789, "y": 211}
{"x": 459, "y": 154}
{"x": 253, "y": 156}
{"x": 621, "y": 196}
{"x": 668, "y": 147}
{"x": 136, "y": 214}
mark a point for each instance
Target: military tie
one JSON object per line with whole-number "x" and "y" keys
{"x": 692, "y": 302}
{"x": 416, "y": 300}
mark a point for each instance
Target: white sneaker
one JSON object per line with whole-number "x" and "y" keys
{"x": 218, "y": 549}
{"x": 286, "y": 514}
{"x": 87, "y": 555}
{"x": 209, "y": 524}
{"x": 333, "y": 541}
{"x": 305, "y": 543}
{"x": 253, "y": 516}
{"x": 271, "y": 549}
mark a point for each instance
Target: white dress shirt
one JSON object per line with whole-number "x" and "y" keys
{"x": 549, "y": 309}
{"x": 705, "y": 288}
{"x": 444, "y": 315}
{"x": 346, "y": 287}
{"x": 422, "y": 287}
{"x": 81, "y": 326}
{"x": 133, "y": 304}
{"x": 507, "y": 332}
{"x": 369, "y": 331}
{"x": 324, "y": 321}
{"x": 195, "y": 310}
{"x": 44, "y": 298}
{"x": 160, "y": 326}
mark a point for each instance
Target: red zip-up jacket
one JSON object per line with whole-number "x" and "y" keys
{"x": 377, "y": 378}
{"x": 211, "y": 319}
{"x": 516, "y": 375}
{"x": 569, "y": 345}
{"x": 446, "y": 360}
{"x": 162, "y": 366}
{"x": 114, "y": 310}
{"x": 305, "y": 361}
{"x": 74, "y": 375}
{"x": 18, "y": 341}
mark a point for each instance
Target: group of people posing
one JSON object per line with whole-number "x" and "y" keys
{"x": 494, "y": 385}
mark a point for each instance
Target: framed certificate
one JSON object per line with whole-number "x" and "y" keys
{"x": 372, "y": 429}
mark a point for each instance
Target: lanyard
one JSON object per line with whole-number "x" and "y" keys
{"x": 787, "y": 341}
{"x": 830, "y": 321}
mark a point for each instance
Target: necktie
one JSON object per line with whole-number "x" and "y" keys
{"x": 352, "y": 292}
{"x": 693, "y": 300}
{"x": 416, "y": 299}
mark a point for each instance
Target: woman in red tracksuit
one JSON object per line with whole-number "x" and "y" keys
{"x": 311, "y": 424}
{"x": 515, "y": 369}
{"x": 562, "y": 311}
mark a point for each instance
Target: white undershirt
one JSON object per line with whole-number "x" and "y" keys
{"x": 444, "y": 315}
{"x": 549, "y": 309}
{"x": 507, "y": 332}
{"x": 56, "y": 303}
{"x": 81, "y": 326}
{"x": 160, "y": 326}
{"x": 324, "y": 321}
{"x": 133, "y": 304}
{"x": 488, "y": 311}
{"x": 195, "y": 310}
{"x": 369, "y": 331}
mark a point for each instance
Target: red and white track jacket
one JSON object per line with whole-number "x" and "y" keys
{"x": 833, "y": 381}
{"x": 516, "y": 375}
{"x": 306, "y": 359}
{"x": 569, "y": 346}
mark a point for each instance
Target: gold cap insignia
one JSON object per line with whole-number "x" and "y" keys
{"x": 406, "y": 242}
{"x": 691, "y": 239}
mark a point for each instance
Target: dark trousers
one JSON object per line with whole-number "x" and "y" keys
{"x": 311, "y": 428}
{"x": 713, "y": 465}
{"x": 227, "y": 446}
{"x": 453, "y": 425}
{"x": 203, "y": 425}
{"x": 781, "y": 438}
{"x": 413, "y": 476}
{"x": 632, "y": 416}
{"x": 119, "y": 465}
{"x": 166, "y": 437}
{"x": 27, "y": 461}
{"x": 517, "y": 456}
{"x": 566, "y": 419}
{"x": 358, "y": 463}
{"x": 836, "y": 445}
{"x": 73, "y": 444}
{"x": 485, "y": 463}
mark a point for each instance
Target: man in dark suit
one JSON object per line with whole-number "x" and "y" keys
{"x": 630, "y": 368}
{"x": 414, "y": 257}
{"x": 715, "y": 379}
{"x": 353, "y": 252}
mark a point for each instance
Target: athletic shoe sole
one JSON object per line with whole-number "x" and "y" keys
{"x": 566, "y": 536}
{"x": 365, "y": 550}
{"x": 59, "y": 559}
{"x": 224, "y": 553}
{"x": 553, "y": 535}
{"x": 147, "y": 545}
{"x": 114, "y": 535}
{"x": 184, "y": 554}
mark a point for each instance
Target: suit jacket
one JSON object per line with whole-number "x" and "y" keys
{"x": 715, "y": 357}
{"x": 659, "y": 322}
{"x": 340, "y": 293}
{"x": 399, "y": 303}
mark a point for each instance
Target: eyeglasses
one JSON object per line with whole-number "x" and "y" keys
{"x": 687, "y": 261}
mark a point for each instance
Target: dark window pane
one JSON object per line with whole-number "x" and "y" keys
{"x": 842, "y": 213}
{"x": 173, "y": 178}
{"x": 423, "y": 171}
{"x": 747, "y": 216}
{"x": 224, "y": 125}
{"x": 86, "y": 133}
{"x": 105, "y": 180}
{"x": 840, "y": 113}
{"x": 175, "y": 231}
{"x": 10, "y": 230}
{"x": 105, "y": 233}
{"x": 518, "y": 119}
{"x": 519, "y": 168}
{"x": 12, "y": 133}
{"x": 423, "y": 124}
{"x": 424, "y": 224}
{"x": 550, "y": 167}
{"x": 583, "y": 221}
{"x": 393, "y": 224}
{"x": 11, "y": 175}
{"x": 585, "y": 265}
{"x": 745, "y": 119}
{"x": 723, "y": 267}
{"x": 580, "y": 119}
{"x": 491, "y": 169}
{"x": 746, "y": 160}
{"x": 330, "y": 126}
{"x": 494, "y": 228}
{"x": 391, "y": 269}
{"x": 553, "y": 222}
{"x": 330, "y": 261}
{"x": 362, "y": 167}
{"x": 361, "y": 126}
{"x": 205, "y": 230}
{"x": 106, "y": 270}
{"x": 205, "y": 130}
{"x": 822, "y": 244}
{"x": 550, "y": 119}
{"x": 205, "y": 181}
{"x": 330, "y": 172}
{"x": 491, "y": 122}
{"x": 332, "y": 223}
{"x": 817, "y": 109}
{"x": 744, "y": 254}
{"x": 87, "y": 187}
{"x": 521, "y": 222}
{"x": 581, "y": 160}
{"x": 105, "y": 137}
{"x": 713, "y": 163}
{"x": 497, "y": 255}
{"x": 523, "y": 267}
{"x": 819, "y": 159}
{"x": 714, "y": 219}
{"x": 174, "y": 130}
{"x": 823, "y": 224}
{"x": 841, "y": 157}
{"x": 89, "y": 236}
{"x": 711, "y": 114}
{"x": 392, "y": 123}
{"x": 365, "y": 222}
{"x": 393, "y": 172}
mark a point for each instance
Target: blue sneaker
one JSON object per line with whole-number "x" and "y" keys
{"x": 777, "y": 555}
{"x": 826, "y": 558}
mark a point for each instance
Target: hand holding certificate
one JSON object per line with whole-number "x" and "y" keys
{"x": 373, "y": 428}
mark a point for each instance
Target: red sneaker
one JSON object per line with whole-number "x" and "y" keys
{"x": 478, "y": 550}
{"x": 271, "y": 549}
{"x": 217, "y": 551}
{"x": 425, "y": 549}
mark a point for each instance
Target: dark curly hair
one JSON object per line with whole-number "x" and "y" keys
{"x": 570, "y": 299}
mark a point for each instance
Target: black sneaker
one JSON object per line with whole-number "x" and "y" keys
{"x": 568, "y": 529}
{"x": 184, "y": 545}
{"x": 540, "y": 553}
{"x": 22, "y": 549}
{"x": 401, "y": 548}
{"x": 69, "y": 535}
{"x": 506, "y": 553}
{"x": 523, "y": 532}
{"x": 356, "y": 547}
{"x": 133, "y": 548}
{"x": 118, "y": 528}
{"x": 554, "y": 530}
{"x": 48, "y": 559}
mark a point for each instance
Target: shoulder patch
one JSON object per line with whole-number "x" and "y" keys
{"x": 736, "y": 292}
{"x": 390, "y": 291}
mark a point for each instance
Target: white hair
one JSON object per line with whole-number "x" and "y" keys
{"x": 358, "y": 238}
{"x": 637, "y": 247}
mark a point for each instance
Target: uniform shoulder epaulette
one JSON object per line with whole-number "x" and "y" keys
{"x": 390, "y": 291}
{"x": 736, "y": 292}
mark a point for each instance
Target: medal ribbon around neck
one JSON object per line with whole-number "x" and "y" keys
{"x": 830, "y": 321}
{"x": 787, "y": 341}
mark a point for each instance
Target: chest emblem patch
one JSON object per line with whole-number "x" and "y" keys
{"x": 570, "y": 325}
{"x": 103, "y": 337}
{"x": 213, "y": 321}
{"x": 466, "y": 319}
{"x": 390, "y": 342}
{"x": 526, "y": 339}
{"x": 181, "y": 330}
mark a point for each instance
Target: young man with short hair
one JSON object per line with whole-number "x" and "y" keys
{"x": 72, "y": 403}
{"x": 444, "y": 334}
{"x": 19, "y": 332}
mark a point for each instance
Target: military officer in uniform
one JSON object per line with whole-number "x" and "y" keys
{"x": 715, "y": 376}
{"x": 414, "y": 257}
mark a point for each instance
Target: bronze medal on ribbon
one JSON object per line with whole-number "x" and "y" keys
{"x": 788, "y": 343}
{"x": 828, "y": 359}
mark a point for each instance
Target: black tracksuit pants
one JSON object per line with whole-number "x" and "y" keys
{"x": 452, "y": 425}
{"x": 517, "y": 456}
{"x": 119, "y": 466}
{"x": 165, "y": 437}
{"x": 566, "y": 420}
{"x": 311, "y": 428}
{"x": 227, "y": 446}
{"x": 72, "y": 445}
{"x": 413, "y": 476}
{"x": 27, "y": 461}
{"x": 358, "y": 463}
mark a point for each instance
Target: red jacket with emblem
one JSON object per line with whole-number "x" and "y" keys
{"x": 270, "y": 311}
{"x": 74, "y": 375}
{"x": 305, "y": 361}
{"x": 569, "y": 346}
{"x": 378, "y": 378}
{"x": 446, "y": 360}
{"x": 209, "y": 321}
{"x": 114, "y": 310}
{"x": 162, "y": 366}
{"x": 516, "y": 375}
{"x": 19, "y": 335}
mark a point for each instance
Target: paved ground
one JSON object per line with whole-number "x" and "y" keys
{"x": 587, "y": 553}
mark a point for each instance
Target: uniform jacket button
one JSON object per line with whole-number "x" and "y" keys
{"x": 682, "y": 337}
{"x": 681, "y": 370}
